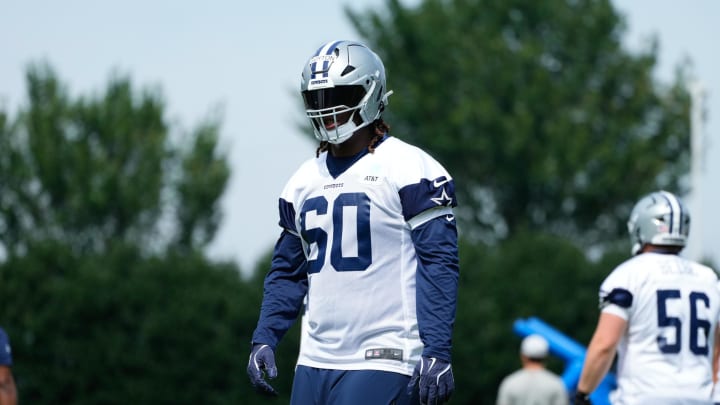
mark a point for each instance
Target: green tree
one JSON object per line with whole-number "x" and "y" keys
{"x": 93, "y": 170}
{"x": 544, "y": 119}
{"x": 530, "y": 274}
{"x": 118, "y": 328}
{"x": 104, "y": 212}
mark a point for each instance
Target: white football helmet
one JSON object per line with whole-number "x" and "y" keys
{"x": 343, "y": 77}
{"x": 659, "y": 218}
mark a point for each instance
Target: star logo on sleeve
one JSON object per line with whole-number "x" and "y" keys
{"x": 444, "y": 199}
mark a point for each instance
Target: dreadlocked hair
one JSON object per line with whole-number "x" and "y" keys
{"x": 321, "y": 148}
{"x": 380, "y": 128}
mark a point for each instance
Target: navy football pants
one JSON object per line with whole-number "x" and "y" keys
{"x": 317, "y": 386}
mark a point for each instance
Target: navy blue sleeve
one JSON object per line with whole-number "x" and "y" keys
{"x": 5, "y": 351}
{"x": 418, "y": 197}
{"x": 285, "y": 287}
{"x": 287, "y": 214}
{"x": 437, "y": 283}
{"x": 618, "y": 296}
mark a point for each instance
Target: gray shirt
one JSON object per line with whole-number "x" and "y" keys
{"x": 532, "y": 387}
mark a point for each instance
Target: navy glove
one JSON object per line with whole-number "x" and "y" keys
{"x": 262, "y": 361}
{"x": 436, "y": 380}
{"x": 582, "y": 398}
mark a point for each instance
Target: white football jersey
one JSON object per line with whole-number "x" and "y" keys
{"x": 360, "y": 307}
{"x": 672, "y": 306}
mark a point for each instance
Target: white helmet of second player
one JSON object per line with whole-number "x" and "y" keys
{"x": 343, "y": 77}
{"x": 659, "y": 218}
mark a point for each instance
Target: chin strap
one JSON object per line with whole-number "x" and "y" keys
{"x": 341, "y": 132}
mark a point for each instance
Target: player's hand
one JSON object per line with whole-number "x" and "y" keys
{"x": 582, "y": 398}
{"x": 262, "y": 361}
{"x": 436, "y": 381}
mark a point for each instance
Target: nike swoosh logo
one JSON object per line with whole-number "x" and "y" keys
{"x": 450, "y": 218}
{"x": 439, "y": 183}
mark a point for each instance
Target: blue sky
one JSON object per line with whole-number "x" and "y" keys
{"x": 242, "y": 60}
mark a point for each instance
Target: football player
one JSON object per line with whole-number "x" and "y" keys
{"x": 659, "y": 312}
{"x": 367, "y": 253}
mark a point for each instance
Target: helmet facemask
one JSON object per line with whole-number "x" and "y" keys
{"x": 333, "y": 111}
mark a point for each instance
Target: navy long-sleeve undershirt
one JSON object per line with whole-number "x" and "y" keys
{"x": 437, "y": 283}
{"x": 284, "y": 291}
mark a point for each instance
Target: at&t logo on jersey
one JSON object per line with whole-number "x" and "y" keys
{"x": 371, "y": 179}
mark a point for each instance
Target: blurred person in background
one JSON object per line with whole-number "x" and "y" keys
{"x": 533, "y": 384}
{"x": 8, "y": 391}
{"x": 659, "y": 313}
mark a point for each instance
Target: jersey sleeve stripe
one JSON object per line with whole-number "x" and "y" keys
{"x": 427, "y": 215}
